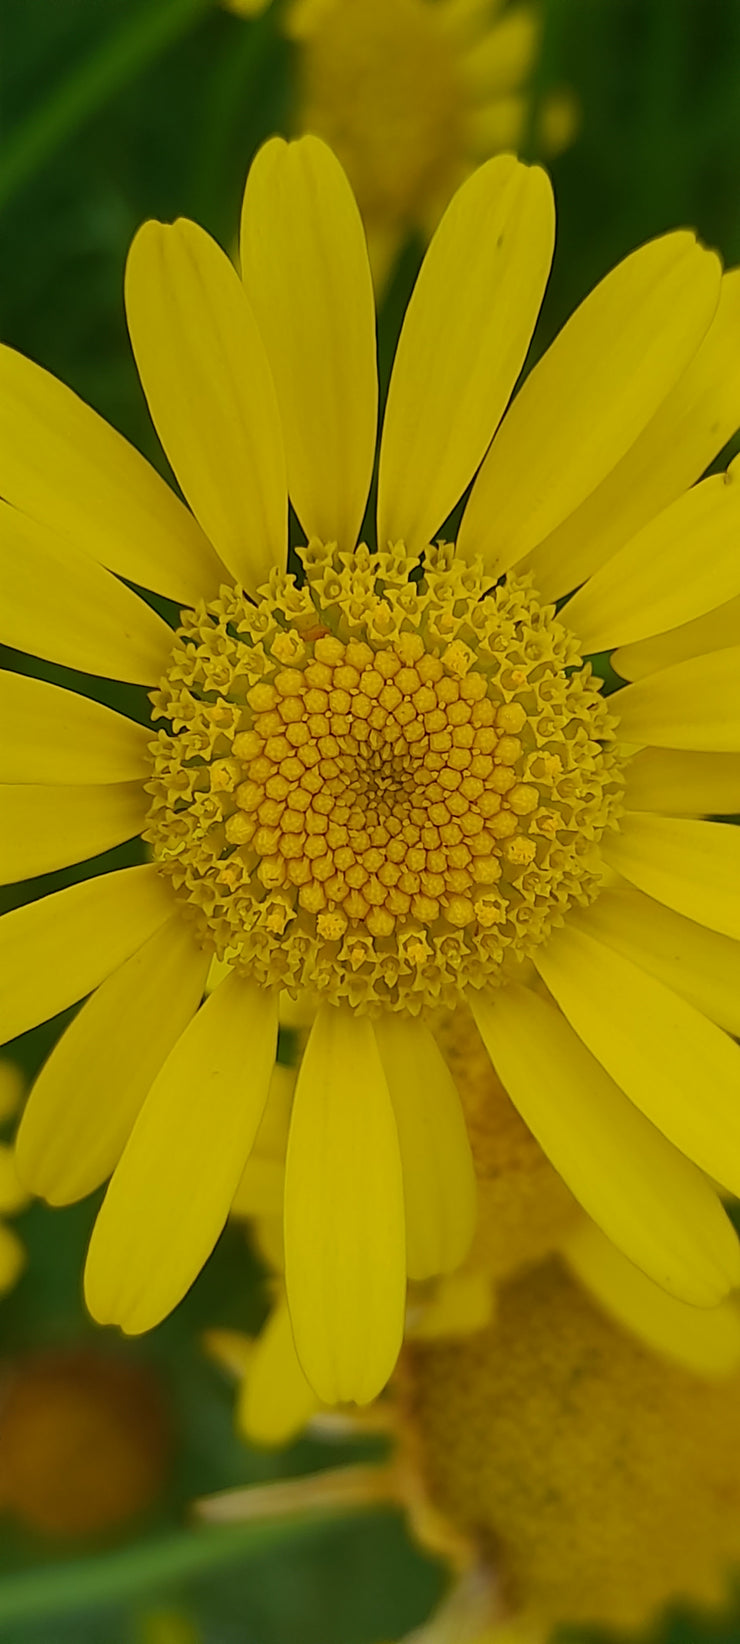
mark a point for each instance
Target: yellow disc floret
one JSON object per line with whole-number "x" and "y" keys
{"x": 384, "y": 785}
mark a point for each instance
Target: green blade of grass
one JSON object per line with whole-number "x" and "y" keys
{"x": 105, "y": 1580}
{"x": 111, "y": 66}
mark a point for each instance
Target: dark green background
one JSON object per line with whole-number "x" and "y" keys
{"x": 114, "y": 110}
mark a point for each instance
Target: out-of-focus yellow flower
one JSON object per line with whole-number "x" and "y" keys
{"x": 606, "y": 1475}
{"x": 561, "y": 1409}
{"x": 84, "y": 1442}
{"x": 413, "y": 94}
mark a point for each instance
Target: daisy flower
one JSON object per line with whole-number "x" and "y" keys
{"x": 387, "y": 781}
{"x": 413, "y": 94}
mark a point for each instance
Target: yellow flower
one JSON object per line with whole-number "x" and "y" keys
{"x": 412, "y": 94}
{"x": 570, "y": 1456}
{"x": 604, "y": 1475}
{"x": 390, "y": 781}
{"x": 85, "y": 1442}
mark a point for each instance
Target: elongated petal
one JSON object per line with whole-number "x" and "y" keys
{"x": 700, "y": 964}
{"x": 681, "y": 565}
{"x": 712, "y": 632}
{"x": 690, "y": 426}
{"x": 706, "y": 1341}
{"x": 307, "y": 276}
{"x": 88, "y": 1094}
{"x": 590, "y": 396}
{"x": 170, "y": 1194}
{"x": 56, "y": 950}
{"x": 52, "y": 736}
{"x": 46, "y": 828}
{"x": 692, "y": 866}
{"x": 463, "y": 343}
{"x": 12, "y": 1257}
{"x": 210, "y": 391}
{"x": 275, "y": 1400}
{"x": 64, "y": 466}
{"x": 504, "y": 55}
{"x": 60, "y": 604}
{"x": 680, "y": 1070}
{"x": 438, "y": 1178}
{"x": 683, "y": 783}
{"x": 13, "y": 1195}
{"x": 459, "y": 1305}
{"x": 694, "y": 704}
{"x": 345, "y": 1258}
{"x": 645, "y": 1195}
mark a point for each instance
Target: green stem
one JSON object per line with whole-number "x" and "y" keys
{"x": 111, "y": 66}
{"x": 109, "y": 1579}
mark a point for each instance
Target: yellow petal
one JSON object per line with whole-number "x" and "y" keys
{"x": 694, "y": 704}
{"x": 60, "y": 604}
{"x": 590, "y": 396}
{"x": 53, "y": 736}
{"x": 692, "y": 866}
{"x": 438, "y": 1178}
{"x": 88, "y": 1094}
{"x": 712, "y": 632}
{"x": 12, "y": 1087}
{"x": 205, "y": 374}
{"x": 170, "y": 1194}
{"x": 498, "y": 126}
{"x": 56, "y": 950}
{"x": 463, "y": 342}
{"x": 505, "y": 54}
{"x": 64, "y": 466}
{"x": 230, "y": 1349}
{"x": 345, "y": 1258}
{"x": 13, "y": 1195}
{"x": 700, "y": 964}
{"x": 681, "y": 565}
{"x": 12, "y": 1257}
{"x": 705, "y": 1341}
{"x": 680, "y": 1070}
{"x": 690, "y": 426}
{"x": 683, "y": 783}
{"x": 306, "y": 272}
{"x": 460, "y": 1304}
{"x": 275, "y": 1400}
{"x": 260, "y": 1191}
{"x": 46, "y": 828}
{"x": 640, "y": 1190}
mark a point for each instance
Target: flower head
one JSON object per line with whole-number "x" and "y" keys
{"x": 603, "y": 1475}
{"x": 386, "y": 780}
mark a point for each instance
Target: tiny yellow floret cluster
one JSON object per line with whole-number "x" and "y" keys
{"x": 382, "y": 781}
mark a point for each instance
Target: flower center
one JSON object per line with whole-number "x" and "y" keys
{"x": 379, "y": 788}
{"x": 380, "y": 85}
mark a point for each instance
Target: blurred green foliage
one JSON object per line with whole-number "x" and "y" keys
{"x": 114, "y": 110}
